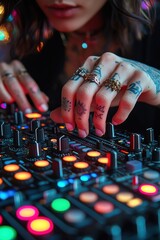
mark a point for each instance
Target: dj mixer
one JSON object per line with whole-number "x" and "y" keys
{"x": 56, "y": 186}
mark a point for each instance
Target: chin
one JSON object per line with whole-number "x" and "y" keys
{"x": 64, "y": 27}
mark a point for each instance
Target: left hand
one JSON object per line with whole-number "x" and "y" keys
{"x": 103, "y": 82}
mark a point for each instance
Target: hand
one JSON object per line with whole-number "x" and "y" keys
{"x": 16, "y": 83}
{"x": 104, "y": 82}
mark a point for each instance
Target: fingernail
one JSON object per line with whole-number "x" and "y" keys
{"x": 82, "y": 133}
{"x": 27, "y": 110}
{"x": 114, "y": 123}
{"x": 43, "y": 107}
{"x": 98, "y": 132}
{"x": 69, "y": 126}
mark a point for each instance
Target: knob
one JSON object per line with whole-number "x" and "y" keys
{"x": 156, "y": 155}
{"x": 39, "y": 134}
{"x": 110, "y": 133}
{"x": 18, "y": 118}
{"x": 35, "y": 124}
{"x": 63, "y": 144}
{"x": 7, "y": 132}
{"x": 35, "y": 149}
{"x": 17, "y": 138}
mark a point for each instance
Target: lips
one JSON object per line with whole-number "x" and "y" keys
{"x": 62, "y": 10}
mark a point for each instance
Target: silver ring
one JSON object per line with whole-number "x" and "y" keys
{"x": 7, "y": 75}
{"x": 80, "y": 72}
{"x": 113, "y": 84}
{"x": 92, "y": 77}
{"x": 22, "y": 72}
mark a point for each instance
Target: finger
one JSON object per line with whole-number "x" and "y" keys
{"x": 16, "y": 91}
{"x": 56, "y": 115}
{"x": 69, "y": 92}
{"x": 136, "y": 87}
{"x": 4, "y": 94}
{"x": 87, "y": 91}
{"x": 111, "y": 90}
{"x": 12, "y": 86}
{"x": 30, "y": 86}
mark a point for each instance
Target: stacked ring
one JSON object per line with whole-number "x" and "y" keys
{"x": 114, "y": 85}
{"x": 7, "y": 75}
{"x": 22, "y": 72}
{"x": 92, "y": 77}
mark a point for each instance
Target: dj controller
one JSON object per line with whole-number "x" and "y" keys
{"x": 55, "y": 185}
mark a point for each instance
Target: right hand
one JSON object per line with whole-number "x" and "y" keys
{"x": 16, "y": 83}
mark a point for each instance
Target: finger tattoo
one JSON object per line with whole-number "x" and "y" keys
{"x": 80, "y": 109}
{"x": 98, "y": 71}
{"x": 66, "y": 104}
{"x": 135, "y": 88}
{"x": 99, "y": 111}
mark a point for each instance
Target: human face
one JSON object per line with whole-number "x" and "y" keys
{"x": 71, "y": 15}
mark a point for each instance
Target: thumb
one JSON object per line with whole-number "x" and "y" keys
{"x": 56, "y": 115}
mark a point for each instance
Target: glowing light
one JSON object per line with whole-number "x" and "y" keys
{"x": 69, "y": 158}
{"x": 1, "y": 181}
{"x": 41, "y": 163}
{"x": 148, "y": 189}
{"x": 85, "y": 178}
{"x": 62, "y": 183}
{"x": 103, "y": 207}
{"x": 3, "y": 105}
{"x": 60, "y": 204}
{"x": 124, "y": 196}
{"x": 54, "y": 140}
{"x": 33, "y": 115}
{"x": 84, "y": 45}
{"x": 40, "y": 226}
{"x": 111, "y": 189}
{"x": 81, "y": 165}
{"x": 103, "y": 160}
{"x": 88, "y": 197}
{"x": 7, "y": 233}
{"x": 11, "y": 167}
{"x": 135, "y": 202}
{"x": 1, "y": 219}
{"x": 27, "y": 212}
{"x": 4, "y": 35}
{"x": 22, "y": 176}
{"x": 93, "y": 154}
{"x": 1, "y": 9}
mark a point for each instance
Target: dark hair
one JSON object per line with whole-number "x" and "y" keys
{"x": 30, "y": 26}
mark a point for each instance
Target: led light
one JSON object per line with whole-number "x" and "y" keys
{"x": 22, "y": 176}
{"x": 93, "y": 154}
{"x": 1, "y": 181}
{"x": 124, "y": 196}
{"x": 60, "y": 204}
{"x": 7, "y": 233}
{"x": 85, "y": 178}
{"x": 103, "y": 160}
{"x": 41, "y": 163}
{"x": 27, "y": 212}
{"x": 88, "y": 197}
{"x": 103, "y": 207}
{"x": 62, "y": 183}
{"x": 111, "y": 189}
{"x": 1, "y": 219}
{"x": 11, "y": 167}
{"x": 81, "y": 165}
{"x": 40, "y": 226}
{"x": 33, "y": 115}
{"x": 135, "y": 202}
{"x": 148, "y": 189}
{"x": 69, "y": 158}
